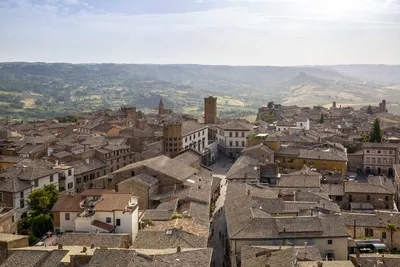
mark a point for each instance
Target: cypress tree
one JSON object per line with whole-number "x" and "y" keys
{"x": 376, "y": 133}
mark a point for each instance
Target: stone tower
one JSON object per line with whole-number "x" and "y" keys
{"x": 382, "y": 106}
{"x": 210, "y": 110}
{"x": 334, "y": 104}
{"x": 172, "y": 133}
{"x": 161, "y": 107}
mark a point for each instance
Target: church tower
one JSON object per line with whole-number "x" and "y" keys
{"x": 161, "y": 107}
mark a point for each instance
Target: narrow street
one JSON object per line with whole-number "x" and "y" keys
{"x": 218, "y": 240}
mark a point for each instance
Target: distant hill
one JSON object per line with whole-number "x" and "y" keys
{"x": 381, "y": 74}
{"x": 39, "y": 90}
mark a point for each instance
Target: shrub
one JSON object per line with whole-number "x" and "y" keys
{"x": 176, "y": 216}
{"x": 41, "y": 224}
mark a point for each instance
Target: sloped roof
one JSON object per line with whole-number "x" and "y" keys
{"x": 244, "y": 168}
{"x": 165, "y": 165}
{"x": 68, "y": 203}
{"x": 98, "y": 240}
{"x": 14, "y": 185}
{"x": 191, "y": 126}
{"x": 103, "y": 225}
{"x": 113, "y": 202}
{"x": 235, "y": 126}
{"x": 161, "y": 240}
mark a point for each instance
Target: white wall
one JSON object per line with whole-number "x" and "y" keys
{"x": 223, "y": 138}
{"x": 196, "y": 138}
{"x": 45, "y": 181}
{"x": 281, "y": 128}
{"x": 83, "y": 224}
{"x": 102, "y": 215}
{"x": 305, "y": 124}
{"x": 70, "y": 224}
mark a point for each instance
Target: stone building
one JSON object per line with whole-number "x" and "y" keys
{"x": 231, "y": 137}
{"x": 379, "y": 158}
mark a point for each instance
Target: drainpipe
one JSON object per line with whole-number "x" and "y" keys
{"x": 354, "y": 229}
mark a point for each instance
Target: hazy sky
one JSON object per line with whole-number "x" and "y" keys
{"x": 234, "y": 32}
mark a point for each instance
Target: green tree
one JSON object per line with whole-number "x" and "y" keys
{"x": 391, "y": 229}
{"x": 369, "y": 110}
{"x": 322, "y": 118}
{"x": 42, "y": 200}
{"x": 376, "y": 133}
{"x": 41, "y": 224}
{"x": 23, "y": 226}
{"x": 365, "y": 138}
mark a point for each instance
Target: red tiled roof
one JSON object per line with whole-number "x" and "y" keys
{"x": 103, "y": 225}
{"x": 68, "y": 203}
{"x": 96, "y": 192}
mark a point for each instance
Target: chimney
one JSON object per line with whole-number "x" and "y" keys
{"x": 87, "y": 160}
{"x": 56, "y": 162}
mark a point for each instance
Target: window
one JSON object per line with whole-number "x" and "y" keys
{"x": 104, "y": 171}
{"x": 108, "y": 219}
{"x": 21, "y": 194}
{"x": 36, "y": 183}
{"x": 185, "y": 139}
{"x": 51, "y": 178}
{"x": 330, "y": 241}
{"x": 379, "y": 152}
{"x": 190, "y": 138}
{"x": 230, "y": 143}
{"x": 230, "y": 134}
{"x": 242, "y": 143}
{"x": 69, "y": 172}
{"x": 338, "y": 198}
{"x": 367, "y": 151}
{"x": 383, "y": 235}
{"x": 237, "y": 143}
{"x": 368, "y": 160}
{"x": 1, "y": 196}
{"x": 386, "y": 198}
{"x": 98, "y": 174}
{"x": 202, "y": 133}
{"x": 236, "y": 134}
{"x": 70, "y": 185}
{"x": 198, "y": 134}
{"x": 12, "y": 219}
{"x": 21, "y": 203}
{"x": 368, "y": 232}
{"x": 379, "y": 160}
{"x": 242, "y": 134}
{"x": 118, "y": 222}
{"x": 78, "y": 180}
{"x": 390, "y": 152}
{"x": 67, "y": 216}
{"x": 368, "y": 197}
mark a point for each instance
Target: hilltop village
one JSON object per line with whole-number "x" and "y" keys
{"x": 301, "y": 186}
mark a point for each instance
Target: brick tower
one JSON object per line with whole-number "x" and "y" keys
{"x": 210, "y": 110}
